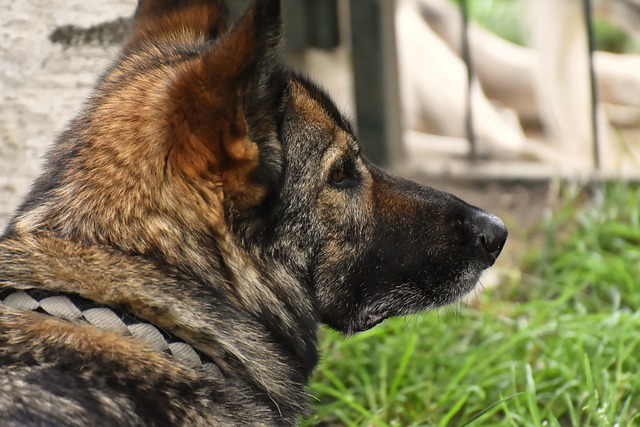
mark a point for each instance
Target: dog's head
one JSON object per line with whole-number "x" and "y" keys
{"x": 197, "y": 138}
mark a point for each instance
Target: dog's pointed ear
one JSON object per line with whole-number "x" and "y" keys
{"x": 195, "y": 20}
{"x": 225, "y": 103}
{"x": 263, "y": 97}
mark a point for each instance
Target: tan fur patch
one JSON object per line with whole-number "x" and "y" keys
{"x": 314, "y": 115}
{"x": 154, "y": 20}
{"x": 308, "y": 107}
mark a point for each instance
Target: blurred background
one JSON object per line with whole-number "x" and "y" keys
{"x": 527, "y": 108}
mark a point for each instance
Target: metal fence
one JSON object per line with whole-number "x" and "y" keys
{"x": 314, "y": 23}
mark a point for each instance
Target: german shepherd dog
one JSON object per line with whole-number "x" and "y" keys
{"x": 196, "y": 223}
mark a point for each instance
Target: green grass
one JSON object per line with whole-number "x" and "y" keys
{"x": 557, "y": 345}
{"x": 507, "y": 18}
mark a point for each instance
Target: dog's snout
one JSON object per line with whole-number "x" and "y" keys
{"x": 491, "y": 234}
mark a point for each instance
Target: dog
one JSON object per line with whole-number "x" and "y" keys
{"x": 194, "y": 225}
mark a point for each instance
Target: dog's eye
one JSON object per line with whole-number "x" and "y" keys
{"x": 343, "y": 175}
{"x": 338, "y": 175}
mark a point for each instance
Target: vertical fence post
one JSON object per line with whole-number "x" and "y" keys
{"x": 237, "y": 7}
{"x": 376, "y": 79}
{"x": 588, "y": 18}
{"x": 468, "y": 60}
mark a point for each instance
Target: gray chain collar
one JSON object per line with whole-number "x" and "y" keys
{"x": 77, "y": 309}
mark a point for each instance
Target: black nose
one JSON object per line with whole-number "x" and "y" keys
{"x": 491, "y": 235}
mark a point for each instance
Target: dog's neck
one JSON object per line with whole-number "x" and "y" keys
{"x": 196, "y": 311}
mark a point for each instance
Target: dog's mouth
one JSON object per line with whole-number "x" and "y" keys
{"x": 369, "y": 320}
{"x": 385, "y": 308}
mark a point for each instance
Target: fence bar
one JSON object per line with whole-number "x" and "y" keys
{"x": 588, "y": 18}
{"x": 468, "y": 60}
{"x": 376, "y": 79}
{"x": 322, "y": 16}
